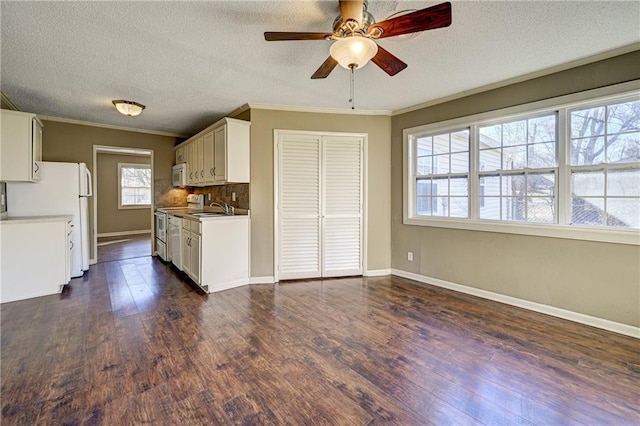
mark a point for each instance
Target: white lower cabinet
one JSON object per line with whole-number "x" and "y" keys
{"x": 191, "y": 249}
{"x": 35, "y": 253}
{"x": 215, "y": 252}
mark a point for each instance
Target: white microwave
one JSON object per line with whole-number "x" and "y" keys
{"x": 179, "y": 175}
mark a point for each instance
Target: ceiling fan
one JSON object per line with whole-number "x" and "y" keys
{"x": 355, "y": 31}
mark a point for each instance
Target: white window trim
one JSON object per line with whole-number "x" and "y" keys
{"x": 130, "y": 207}
{"x": 561, "y": 104}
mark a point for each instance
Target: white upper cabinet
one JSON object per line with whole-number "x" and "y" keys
{"x": 20, "y": 147}
{"x": 219, "y": 154}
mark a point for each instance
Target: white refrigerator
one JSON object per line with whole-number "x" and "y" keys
{"x": 63, "y": 189}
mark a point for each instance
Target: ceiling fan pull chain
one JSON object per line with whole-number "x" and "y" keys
{"x": 352, "y": 81}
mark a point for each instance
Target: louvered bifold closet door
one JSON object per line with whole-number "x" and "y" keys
{"x": 342, "y": 205}
{"x": 299, "y": 207}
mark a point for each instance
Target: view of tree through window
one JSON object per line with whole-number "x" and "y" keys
{"x": 135, "y": 185}
{"x": 571, "y": 165}
{"x": 605, "y": 172}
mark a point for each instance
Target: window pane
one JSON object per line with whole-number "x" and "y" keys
{"x": 587, "y": 184}
{"x": 587, "y": 211}
{"x": 441, "y": 144}
{"x": 490, "y": 137}
{"x": 542, "y": 129}
{"x": 424, "y": 146}
{"x": 459, "y": 207}
{"x": 490, "y": 208}
{"x": 424, "y": 205}
{"x": 441, "y": 207}
{"x": 587, "y": 151}
{"x": 423, "y": 187}
{"x": 491, "y": 185}
{"x": 458, "y": 187}
{"x": 424, "y": 166}
{"x": 514, "y": 133}
{"x": 587, "y": 122}
{"x": 490, "y": 160}
{"x": 540, "y": 185}
{"x": 514, "y": 157}
{"x": 513, "y": 185}
{"x": 540, "y": 209}
{"x": 623, "y": 212}
{"x": 460, "y": 162}
{"x": 513, "y": 208}
{"x": 441, "y": 164}
{"x": 623, "y": 117}
{"x": 542, "y": 155}
{"x": 623, "y": 183}
{"x": 623, "y": 148}
{"x": 460, "y": 141}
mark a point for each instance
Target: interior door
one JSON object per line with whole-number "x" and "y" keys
{"x": 298, "y": 206}
{"x": 342, "y": 205}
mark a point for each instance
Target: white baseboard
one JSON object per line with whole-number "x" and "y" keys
{"x": 262, "y": 280}
{"x": 121, "y": 233}
{"x": 616, "y": 327}
{"x": 229, "y": 285}
{"x": 377, "y": 273}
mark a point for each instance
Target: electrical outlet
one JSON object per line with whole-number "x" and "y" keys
{"x": 209, "y": 197}
{"x": 410, "y": 256}
{"x": 233, "y": 196}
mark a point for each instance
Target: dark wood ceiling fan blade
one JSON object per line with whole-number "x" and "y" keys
{"x": 388, "y": 62}
{"x": 438, "y": 16}
{"x": 284, "y": 36}
{"x": 325, "y": 69}
{"x": 351, "y": 9}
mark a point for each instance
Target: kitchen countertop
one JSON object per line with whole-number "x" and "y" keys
{"x": 185, "y": 212}
{"x": 34, "y": 219}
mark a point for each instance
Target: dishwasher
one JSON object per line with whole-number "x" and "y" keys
{"x": 175, "y": 240}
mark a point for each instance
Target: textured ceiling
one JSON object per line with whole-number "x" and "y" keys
{"x": 191, "y": 63}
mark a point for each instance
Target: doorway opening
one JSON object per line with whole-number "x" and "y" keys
{"x": 123, "y": 203}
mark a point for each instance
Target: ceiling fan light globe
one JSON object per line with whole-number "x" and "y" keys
{"x": 353, "y": 51}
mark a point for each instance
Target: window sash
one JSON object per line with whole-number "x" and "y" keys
{"x": 562, "y": 199}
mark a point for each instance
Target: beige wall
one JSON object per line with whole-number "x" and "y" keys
{"x": 263, "y": 123}
{"x": 74, "y": 143}
{"x": 597, "y": 279}
{"x": 110, "y": 217}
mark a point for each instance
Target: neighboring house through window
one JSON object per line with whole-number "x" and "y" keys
{"x": 134, "y": 186}
{"x": 568, "y": 167}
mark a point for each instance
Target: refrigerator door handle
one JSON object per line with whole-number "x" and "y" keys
{"x": 89, "y": 182}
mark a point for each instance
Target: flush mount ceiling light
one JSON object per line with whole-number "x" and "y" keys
{"x": 354, "y": 51}
{"x": 129, "y": 108}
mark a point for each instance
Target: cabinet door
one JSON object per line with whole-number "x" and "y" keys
{"x": 208, "y": 154}
{"x": 191, "y": 165}
{"x": 180, "y": 158}
{"x": 194, "y": 248}
{"x": 199, "y": 174}
{"x": 186, "y": 252}
{"x": 220, "y": 154}
{"x": 37, "y": 149}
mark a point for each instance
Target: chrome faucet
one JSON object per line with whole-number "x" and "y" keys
{"x": 226, "y": 208}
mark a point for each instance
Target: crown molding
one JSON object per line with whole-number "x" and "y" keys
{"x": 110, "y": 126}
{"x": 8, "y": 101}
{"x": 530, "y": 76}
{"x": 318, "y": 110}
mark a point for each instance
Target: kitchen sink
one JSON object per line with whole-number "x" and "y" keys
{"x": 207, "y": 214}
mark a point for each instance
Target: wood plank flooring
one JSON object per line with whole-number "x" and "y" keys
{"x": 133, "y": 342}
{"x": 123, "y": 247}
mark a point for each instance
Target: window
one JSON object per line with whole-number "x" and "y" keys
{"x": 568, "y": 167}
{"x": 518, "y": 170}
{"x": 134, "y": 188}
{"x": 442, "y": 174}
{"x": 605, "y": 152}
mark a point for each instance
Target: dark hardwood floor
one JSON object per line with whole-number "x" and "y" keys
{"x": 133, "y": 343}
{"x": 123, "y": 247}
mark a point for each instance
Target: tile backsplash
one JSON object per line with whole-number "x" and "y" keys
{"x": 165, "y": 195}
{"x": 225, "y": 193}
